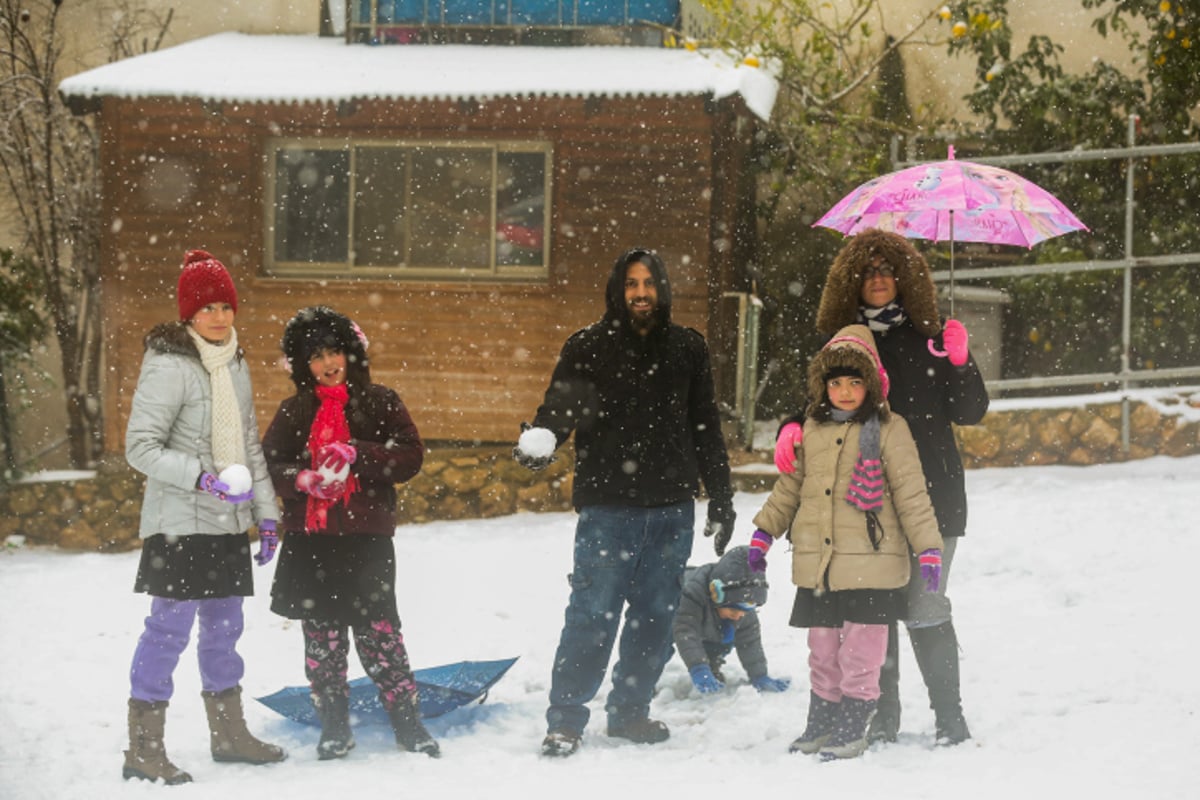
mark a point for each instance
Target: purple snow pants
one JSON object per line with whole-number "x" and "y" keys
{"x": 166, "y": 635}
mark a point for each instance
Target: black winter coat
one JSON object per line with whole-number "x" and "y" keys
{"x": 932, "y": 394}
{"x": 643, "y": 408}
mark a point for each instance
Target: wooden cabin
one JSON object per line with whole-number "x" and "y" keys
{"x": 463, "y": 203}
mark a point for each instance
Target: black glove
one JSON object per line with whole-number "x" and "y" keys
{"x": 537, "y": 439}
{"x": 721, "y": 518}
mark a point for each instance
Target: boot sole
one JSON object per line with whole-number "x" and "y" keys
{"x": 808, "y": 748}
{"x": 243, "y": 760}
{"x": 330, "y": 755}
{"x": 129, "y": 773}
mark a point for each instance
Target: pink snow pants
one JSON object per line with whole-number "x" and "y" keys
{"x": 845, "y": 661}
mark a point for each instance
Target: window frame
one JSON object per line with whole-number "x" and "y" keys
{"x": 348, "y": 270}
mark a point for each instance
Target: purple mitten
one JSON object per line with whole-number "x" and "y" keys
{"x": 760, "y": 543}
{"x": 336, "y": 456}
{"x": 954, "y": 336}
{"x": 790, "y": 436}
{"x": 931, "y": 568}
{"x": 268, "y": 540}
{"x": 220, "y": 489}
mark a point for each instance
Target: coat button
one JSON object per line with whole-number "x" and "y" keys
{"x": 828, "y": 541}
{"x": 828, "y": 492}
{"x": 839, "y": 441}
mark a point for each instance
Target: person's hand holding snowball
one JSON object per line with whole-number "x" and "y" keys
{"x": 535, "y": 448}
{"x": 233, "y": 485}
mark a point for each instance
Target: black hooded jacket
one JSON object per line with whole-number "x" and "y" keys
{"x": 643, "y": 408}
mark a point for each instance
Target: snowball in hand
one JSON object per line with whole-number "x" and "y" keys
{"x": 237, "y": 478}
{"x": 537, "y": 443}
{"x": 329, "y": 474}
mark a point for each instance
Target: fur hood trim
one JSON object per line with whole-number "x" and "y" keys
{"x": 916, "y": 294}
{"x": 852, "y": 346}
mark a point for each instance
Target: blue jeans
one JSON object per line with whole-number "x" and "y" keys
{"x": 623, "y": 555}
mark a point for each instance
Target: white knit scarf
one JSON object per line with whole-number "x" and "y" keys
{"x": 228, "y": 446}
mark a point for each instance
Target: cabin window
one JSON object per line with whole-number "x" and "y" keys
{"x": 419, "y": 210}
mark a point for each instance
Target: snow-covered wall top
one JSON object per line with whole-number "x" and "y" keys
{"x": 235, "y": 67}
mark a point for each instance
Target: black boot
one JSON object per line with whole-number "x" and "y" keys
{"x": 849, "y": 738}
{"x": 410, "y": 731}
{"x": 936, "y": 650}
{"x": 333, "y": 709}
{"x": 885, "y": 726}
{"x": 822, "y": 716}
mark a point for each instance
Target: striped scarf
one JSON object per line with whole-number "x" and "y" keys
{"x": 882, "y": 320}
{"x": 228, "y": 444}
{"x": 866, "y": 481}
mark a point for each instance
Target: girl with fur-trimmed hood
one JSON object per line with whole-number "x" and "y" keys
{"x": 336, "y": 449}
{"x": 853, "y": 507}
{"x": 879, "y": 279}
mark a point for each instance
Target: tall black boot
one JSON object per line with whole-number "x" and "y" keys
{"x": 885, "y": 725}
{"x": 936, "y": 650}
{"x": 411, "y": 735}
{"x": 333, "y": 709}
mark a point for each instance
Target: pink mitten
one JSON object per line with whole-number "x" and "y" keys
{"x": 336, "y": 456}
{"x": 790, "y": 436}
{"x": 307, "y": 481}
{"x": 954, "y": 336}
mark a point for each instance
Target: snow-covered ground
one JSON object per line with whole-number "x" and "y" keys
{"x": 1071, "y": 590}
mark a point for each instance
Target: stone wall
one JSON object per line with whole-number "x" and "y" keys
{"x": 100, "y": 512}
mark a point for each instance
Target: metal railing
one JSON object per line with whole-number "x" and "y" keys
{"x": 1124, "y": 376}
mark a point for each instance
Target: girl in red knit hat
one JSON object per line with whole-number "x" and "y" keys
{"x": 192, "y": 433}
{"x": 336, "y": 450}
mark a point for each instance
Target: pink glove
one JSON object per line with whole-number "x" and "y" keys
{"x": 790, "y": 436}
{"x": 760, "y": 543}
{"x": 931, "y": 568}
{"x": 954, "y": 337}
{"x": 329, "y": 491}
{"x": 336, "y": 455}
{"x": 307, "y": 481}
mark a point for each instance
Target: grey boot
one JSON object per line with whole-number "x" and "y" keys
{"x": 936, "y": 650}
{"x": 333, "y": 710}
{"x": 885, "y": 725}
{"x": 410, "y": 731}
{"x": 822, "y": 717}
{"x": 146, "y": 757}
{"x": 849, "y": 738}
{"x": 229, "y": 738}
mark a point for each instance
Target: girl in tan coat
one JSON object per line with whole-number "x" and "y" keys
{"x": 852, "y": 509}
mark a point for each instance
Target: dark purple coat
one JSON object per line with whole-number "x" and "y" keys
{"x": 389, "y": 452}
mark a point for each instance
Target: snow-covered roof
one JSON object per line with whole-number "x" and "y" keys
{"x": 235, "y": 67}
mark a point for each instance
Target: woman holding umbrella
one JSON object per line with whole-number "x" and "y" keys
{"x": 879, "y": 279}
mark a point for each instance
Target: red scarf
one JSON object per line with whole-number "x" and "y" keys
{"x": 329, "y": 425}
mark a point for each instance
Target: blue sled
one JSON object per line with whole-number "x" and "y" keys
{"x": 440, "y": 689}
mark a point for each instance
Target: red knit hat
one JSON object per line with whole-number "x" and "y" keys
{"x": 203, "y": 280}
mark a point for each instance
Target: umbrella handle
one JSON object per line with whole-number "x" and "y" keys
{"x": 933, "y": 349}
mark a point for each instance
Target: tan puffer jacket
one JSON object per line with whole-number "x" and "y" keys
{"x": 830, "y": 545}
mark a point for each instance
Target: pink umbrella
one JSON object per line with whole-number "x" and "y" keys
{"x": 954, "y": 201}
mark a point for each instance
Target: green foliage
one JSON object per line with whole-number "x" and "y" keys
{"x": 21, "y": 323}
{"x": 1058, "y": 325}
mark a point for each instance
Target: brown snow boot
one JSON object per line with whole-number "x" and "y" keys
{"x": 410, "y": 731}
{"x": 230, "y": 740}
{"x": 146, "y": 758}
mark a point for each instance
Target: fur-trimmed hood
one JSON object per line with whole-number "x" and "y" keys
{"x": 916, "y": 294}
{"x": 852, "y": 346}
{"x": 173, "y": 338}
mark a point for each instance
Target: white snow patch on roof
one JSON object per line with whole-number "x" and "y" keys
{"x": 242, "y": 68}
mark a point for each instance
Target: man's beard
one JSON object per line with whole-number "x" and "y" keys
{"x": 643, "y": 323}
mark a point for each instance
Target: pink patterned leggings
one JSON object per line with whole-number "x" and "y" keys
{"x": 846, "y": 661}
{"x": 381, "y": 651}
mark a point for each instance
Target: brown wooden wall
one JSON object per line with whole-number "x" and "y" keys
{"x": 470, "y": 359}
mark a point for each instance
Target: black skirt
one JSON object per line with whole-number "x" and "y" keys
{"x": 346, "y": 580}
{"x": 195, "y": 567}
{"x": 864, "y": 606}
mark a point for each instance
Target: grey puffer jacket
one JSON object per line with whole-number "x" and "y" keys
{"x": 696, "y": 621}
{"x": 169, "y": 440}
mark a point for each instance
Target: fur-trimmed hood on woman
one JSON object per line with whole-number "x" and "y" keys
{"x": 852, "y": 346}
{"x": 842, "y": 295}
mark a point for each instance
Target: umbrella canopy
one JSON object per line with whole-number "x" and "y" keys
{"x": 440, "y": 690}
{"x": 954, "y": 201}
